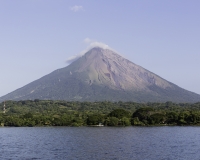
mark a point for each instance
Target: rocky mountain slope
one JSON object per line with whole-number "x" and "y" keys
{"x": 102, "y": 74}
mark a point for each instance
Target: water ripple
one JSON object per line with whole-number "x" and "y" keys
{"x": 113, "y": 143}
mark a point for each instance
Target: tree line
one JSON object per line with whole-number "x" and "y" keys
{"x": 64, "y": 113}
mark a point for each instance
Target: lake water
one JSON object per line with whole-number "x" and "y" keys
{"x": 100, "y": 143}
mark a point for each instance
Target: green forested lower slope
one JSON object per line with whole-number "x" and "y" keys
{"x": 63, "y": 113}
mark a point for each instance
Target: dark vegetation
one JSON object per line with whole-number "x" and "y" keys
{"x": 63, "y": 113}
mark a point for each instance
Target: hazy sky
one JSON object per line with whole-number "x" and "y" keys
{"x": 38, "y": 37}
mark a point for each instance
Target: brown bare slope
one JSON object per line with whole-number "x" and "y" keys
{"x": 101, "y": 74}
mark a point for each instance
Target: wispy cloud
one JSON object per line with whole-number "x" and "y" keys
{"x": 93, "y": 43}
{"x": 90, "y": 44}
{"x": 76, "y": 8}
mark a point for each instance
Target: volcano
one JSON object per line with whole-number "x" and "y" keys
{"x": 101, "y": 74}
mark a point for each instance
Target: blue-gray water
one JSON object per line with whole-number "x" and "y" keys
{"x": 99, "y": 143}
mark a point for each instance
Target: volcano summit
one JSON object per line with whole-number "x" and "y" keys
{"x": 102, "y": 74}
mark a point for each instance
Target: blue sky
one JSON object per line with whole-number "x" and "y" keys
{"x": 38, "y": 36}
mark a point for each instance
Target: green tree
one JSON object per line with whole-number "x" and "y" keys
{"x": 119, "y": 113}
{"x": 112, "y": 121}
{"x": 125, "y": 121}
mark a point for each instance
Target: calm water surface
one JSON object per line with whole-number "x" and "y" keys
{"x": 99, "y": 143}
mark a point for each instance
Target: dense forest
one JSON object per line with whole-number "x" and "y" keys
{"x": 64, "y": 113}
